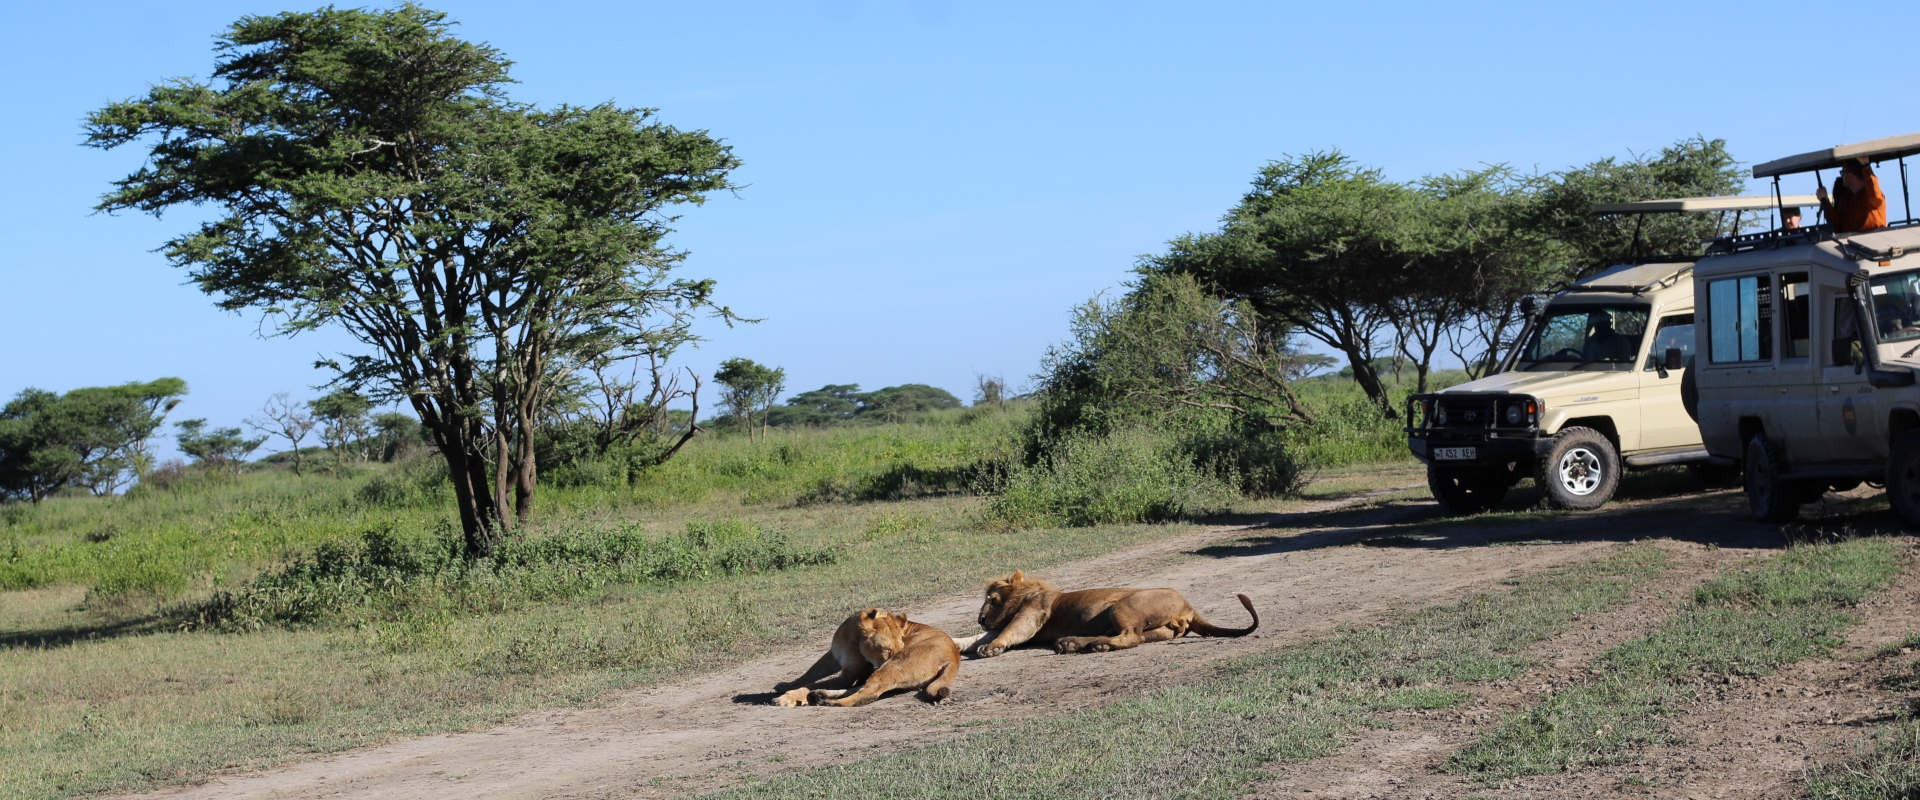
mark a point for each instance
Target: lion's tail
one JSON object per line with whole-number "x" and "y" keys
{"x": 1205, "y": 628}
{"x": 942, "y": 684}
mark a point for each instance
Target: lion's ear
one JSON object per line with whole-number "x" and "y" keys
{"x": 1017, "y": 576}
{"x": 870, "y": 613}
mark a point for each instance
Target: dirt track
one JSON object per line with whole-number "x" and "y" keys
{"x": 1307, "y": 573}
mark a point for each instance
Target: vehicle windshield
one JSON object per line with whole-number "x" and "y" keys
{"x": 1573, "y": 336}
{"x": 1896, "y": 305}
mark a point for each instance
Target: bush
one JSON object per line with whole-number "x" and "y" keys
{"x": 1133, "y": 475}
{"x": 386, "y": 576}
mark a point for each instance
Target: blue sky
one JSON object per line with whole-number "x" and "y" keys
{"x": 930, "y": 186}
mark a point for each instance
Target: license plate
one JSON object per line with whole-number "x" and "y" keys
{"x": 1455, "y": 453}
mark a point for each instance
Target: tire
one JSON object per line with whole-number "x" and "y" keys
{"x": 1690, "y": 394}
{"x": 1903, "y": 479}
{"x": 1466, "y": 490}
{"x": 1580, "y": 471}
{"x": 1715, "y": 476}
{"x": 1769, "y": 497}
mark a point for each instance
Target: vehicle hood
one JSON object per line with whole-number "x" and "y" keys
{"x": 1542, "y": 385}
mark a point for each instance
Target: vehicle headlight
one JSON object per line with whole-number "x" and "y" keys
{"x": 1439, "y": 413}
{"x": 1516, "y": 414}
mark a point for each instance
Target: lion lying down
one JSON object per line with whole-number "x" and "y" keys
{"x": 1019, "y": 609}
{"x": 884, "y": 650}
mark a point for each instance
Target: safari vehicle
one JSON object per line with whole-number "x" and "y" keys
{"x": 1592, "y": 387}
{"x": 1811, "y": 341}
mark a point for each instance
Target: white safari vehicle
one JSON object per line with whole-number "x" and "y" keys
{"x": 1809, "y": 344}
{"x": 1592, "y": 387}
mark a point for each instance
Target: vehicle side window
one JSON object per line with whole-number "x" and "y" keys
{"x": 1846, "y": 332}
{"x": 1674, "y": 331}
{"x": 1740, "y": 316}
{"x": 1796, "y": 322}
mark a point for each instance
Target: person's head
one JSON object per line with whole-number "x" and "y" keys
{"x": 1790, "y": 217}
{"x": 1601, "y": 322}
{"x": 1857, "y": 167}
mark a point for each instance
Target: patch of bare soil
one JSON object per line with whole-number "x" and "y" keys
{"x": 1307, "y": 572}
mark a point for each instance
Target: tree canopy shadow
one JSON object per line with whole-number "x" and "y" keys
{"x": 65, "y": 636}
{"x": 1715, "y": 518}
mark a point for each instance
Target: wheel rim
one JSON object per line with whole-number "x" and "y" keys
{"x": 1581, "y": 472}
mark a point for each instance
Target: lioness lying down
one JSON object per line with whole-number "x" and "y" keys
{"x": 1020, "y": 609}
{"x": 884, "y": 650}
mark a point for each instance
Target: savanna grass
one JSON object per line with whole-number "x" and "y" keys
{"x": 1748, "y": 622}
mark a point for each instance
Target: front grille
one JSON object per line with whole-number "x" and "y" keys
{"x": 1468, "y": 413}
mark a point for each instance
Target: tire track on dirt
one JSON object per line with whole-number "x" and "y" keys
{"x": 1406, "y": 760}
{"x": 1302, "y": 569}
{"x": 1752, "y": 738}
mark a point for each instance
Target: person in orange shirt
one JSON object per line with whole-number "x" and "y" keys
{"x": 1857, "y": 204}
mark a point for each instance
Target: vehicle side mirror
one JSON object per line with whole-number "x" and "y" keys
{"x": 1676, "y": 359}
{"x": 1529, "y": 306}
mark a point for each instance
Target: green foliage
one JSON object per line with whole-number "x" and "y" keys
{"x": 345, "y": 427}
{"x": 385, "y": 575}
{"x": 364, "y": 169}
{"x": 836, "y": 404}
{"x": 1131, "y": 475}
{"x": 218, "y": 448}
{"x": 748, "y": 388}
{"x": 94, "y": 437}
{"x": 1563, "y": 204}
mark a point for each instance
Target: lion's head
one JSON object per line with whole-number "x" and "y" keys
{"x": 1006, "y": 596}
{"x": 882, "y": 634}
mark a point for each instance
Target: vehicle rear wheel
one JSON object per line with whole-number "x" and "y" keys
{"x": 1581, "y": 469}
{"x": 1903, "y": 479}
{"x": 1466, "y": 490}
{"x": 1769, "y": 497}
{"x": 1715, "y": 476}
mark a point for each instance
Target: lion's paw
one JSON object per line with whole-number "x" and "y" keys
{"x": 1066, "y": 645}
{"x": 797, "y": 697}
{"x": 990, "y": 650}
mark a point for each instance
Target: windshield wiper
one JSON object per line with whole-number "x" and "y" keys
{"x": 1910, "y": 351}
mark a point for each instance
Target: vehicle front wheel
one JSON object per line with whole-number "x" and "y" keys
{"x": 1769, "y": 498}
{"x": 1903, "y": 479}
{"x": 1581, "y": 469}
{"x": 1466, "y": 490}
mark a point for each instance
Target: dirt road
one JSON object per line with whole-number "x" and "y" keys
{"x": 1344, "y": 562}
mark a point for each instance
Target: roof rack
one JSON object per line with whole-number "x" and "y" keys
{"x": 1874, "y": 150}
{"x": 1756, "y": 202}
{"x": 1674, "y": 205}
{"x": 1891, "y": 147}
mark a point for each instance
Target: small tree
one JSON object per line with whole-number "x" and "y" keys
{"x": 398, "y": 435}
{"x": 282, "y": 417}
{"x": 344, "y": 425}
{"x": 990, "y": 390}
{"x": 217, "y": 448}
{"x": 748, "y": 388}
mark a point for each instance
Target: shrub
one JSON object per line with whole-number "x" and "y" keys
{"x": 386, "y": 576}
{"x": 1133, "y": 475}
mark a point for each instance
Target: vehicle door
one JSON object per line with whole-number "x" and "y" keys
{"x": 1663, "y": 418}
{"x": 1797, "y": 383}
{"x": 1848, "y": 416}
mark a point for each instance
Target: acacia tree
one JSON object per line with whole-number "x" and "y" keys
{"x": 748, "y": 387}
{"x": 92, "y": 436}
{"x": 345, "y": 427}
{"x": 1314, "y": 248}
{"x": 370, "y": 174}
